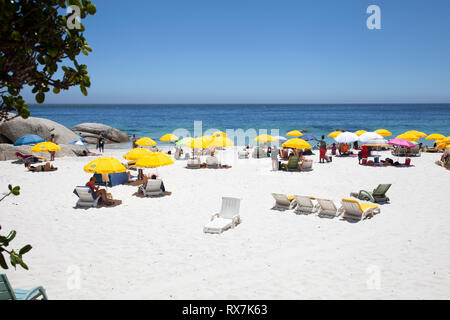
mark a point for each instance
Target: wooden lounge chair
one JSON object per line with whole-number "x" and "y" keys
{"x": 378, "y": 195}
{"x": 292, "y": 165}
{"x": 353, "y": 210}
{"x": 8, "y": 293}
{"x": 327, "y": 208}
{"x": 152, "y": 189}
{"x": 193, "y": 163}
{"x": 227, "y": 218}
{"x": 304, "y": 205}
{"x": 281, "y": 202}
{"x": 86, "y": 198}
{"x": 243, "y": 154}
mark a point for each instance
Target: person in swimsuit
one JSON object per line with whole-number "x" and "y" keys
{"x": 96, "y": 191}
{"x": 40, "y": 168}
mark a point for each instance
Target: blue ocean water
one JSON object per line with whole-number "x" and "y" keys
{"x": 155, "y": 120}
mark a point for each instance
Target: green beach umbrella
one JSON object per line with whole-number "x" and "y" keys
{"x": 183, "y": 141}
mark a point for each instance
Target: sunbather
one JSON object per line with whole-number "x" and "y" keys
{"x": 96, "y": 191}
{"x": 153, "y": 176}
{"x": 40, "y": 168}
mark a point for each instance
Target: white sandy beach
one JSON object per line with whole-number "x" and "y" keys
{"x": 155, "y": 248}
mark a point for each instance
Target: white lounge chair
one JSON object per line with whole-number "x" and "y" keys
{"x": 281, "y": 202}
{"x": 306, "y": 165}
{"x": 354, "y": 210}
{"x": 212, "y": 162}
{"x": 304, "y": 205}
{"x": 153, "y": 188}
{"x": 243, "y": 154}
{"x": 86, "y": 197}
{"x": 193, "y": 163}
{"x": 327, "y": 208}
{"x": 227, "y": 218}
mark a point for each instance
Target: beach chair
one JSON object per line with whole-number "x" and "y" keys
{"x": 243, "y": 154}
{"x": 378, "y": 195}
{"x": 153, "y": 188}
{"x": 306, "y": 165}
{"x": 353, "y": 210}
{"x": 281, "y": 202}
{"x": 292, "y": 165}
{"x": 227, "y": 218}
{"x": 327, "y": 208}
{"x": 86, "y": 197}
{"x": 304, "y": 205}
{"x": 8, "y": 293}
{"x": 212, "y": 162}
{"x": 28, "y": 158}
{"x": 193, "y": 163}
{"x": 259, "y": 153}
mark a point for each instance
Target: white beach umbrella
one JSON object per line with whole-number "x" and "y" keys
{"x": 346, "y": 137}
{"x": 369, "y": 136}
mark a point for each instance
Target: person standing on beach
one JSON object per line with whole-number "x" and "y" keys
{"x": 101, "y": 144}
{"x": 52, "y": 153}
{"x": 134, "y": 145}
{"x": 323, "y": 149}
{"x": 274, "y": 157}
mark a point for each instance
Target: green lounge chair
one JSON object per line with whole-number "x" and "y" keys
{"x": 378, "y": 195}
{"x": 8, "y": 293}
{"x": 292, "y": 165}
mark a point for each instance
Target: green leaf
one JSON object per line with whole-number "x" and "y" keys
{"x": 40, "y": 97}
{"x": 11, "y": 235}
{"x": 3, "y": 262}
{"x": 25, "y": 249}
{"x": 55, "y": 90}
{"x": 15, "y": 35}
{"x": 91, "y": 9}
{"x": 83, "y": 90}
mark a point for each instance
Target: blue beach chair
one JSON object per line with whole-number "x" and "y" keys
{"x": 8, "y": 293}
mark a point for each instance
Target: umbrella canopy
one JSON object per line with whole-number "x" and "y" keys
{"x": 219, "y": 134}
{"x": 28, "y": 139}
{"x": 346, "y": 137}
{"x": 364, "y": 137}
{"x": 334, "y": 134}
{"x": 221, "y": 141}
{"x": 296, "y": 143}
{"x": 137, "y": 153}
{"x": 399, "y": 142}
{"x": 383, "y": 132}
{"x": 420, "y": 134}
{"x": 435, "y": 136}
{"x": 145, "y": 142}
{"x": 183, "y": 141}
{"x": 407, "y": 136}
{"x": 104, "y": 165}
{"x": 294, "y": 133}
{"x": 360, "y": 132}
{"x": 153, "y": 160}
{"x": 45, "y": 146}
{"x": 169, "y": 137}
{"x": 79, "y": 143}
{"x": 199, "y": 143}
{"x": 308, "y": 138}
{"x": 265, "y": 138}
{"x": 376, "y": 143}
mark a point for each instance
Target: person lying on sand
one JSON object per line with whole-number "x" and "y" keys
{"x": 85, "y": 154}
{"x": 96, "y": 191}
{"x": 40, "y": 168}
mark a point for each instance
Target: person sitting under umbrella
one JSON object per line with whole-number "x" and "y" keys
{"x": 96, "y": 191}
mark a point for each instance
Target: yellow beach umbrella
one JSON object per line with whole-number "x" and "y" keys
{"x": 360, "y": 132}
{"x": 105, "y": 165}
{"x": 153, "y": 160}
{"x": 219, "y": 134}
{"x": 136, "y": 153}
{"x": 435, "y": 136}
{"x": 383, "y": 132}
{"x": 334, "y": 134}
{"x": 420, "y": 134}
{"x": 221, "y": 142}
{"x": 45, "y": 146}
{"x": 407, "y": 136}
{"x": 169, "y": 137}
{"x": 145, "y": 142}
{"x": 296, "y": 143}
{"x": 199, "y": 143}
{"x": 294, "y": 133}
{"x": 265, "y": 138}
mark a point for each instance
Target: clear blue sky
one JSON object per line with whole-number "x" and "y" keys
{"x": 265, "y": 51}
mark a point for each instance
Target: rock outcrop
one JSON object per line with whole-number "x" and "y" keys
{"x": 91, "y": 131}
{"x": 8, "y": 151}
{"x": 18, "y": 127}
